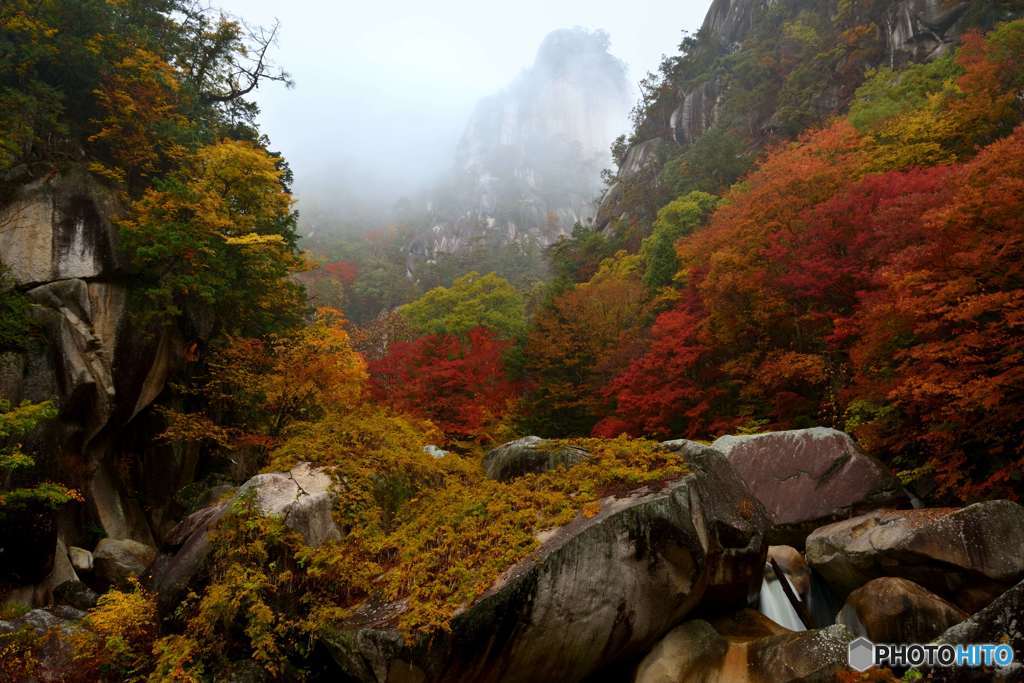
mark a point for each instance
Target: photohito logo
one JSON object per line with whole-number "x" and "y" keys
{"x": 864, "y": 654}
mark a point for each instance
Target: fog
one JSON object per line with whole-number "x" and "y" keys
{"x": 384, "y": 90}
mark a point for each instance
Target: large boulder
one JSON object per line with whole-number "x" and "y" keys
{"x": 756, "y": 652}
{"x": 530, "y": 454}
{"x": 301, "y": 497}
{"x": 968, "y": 556}
{"x": 1000, "y": 622}
{"x": 119, "y": 560}
{"x": 597, "y": 592}
{"x": 893, "y": 610}
{"x": 75, "y": 594}
{"x": 809, "y": 477}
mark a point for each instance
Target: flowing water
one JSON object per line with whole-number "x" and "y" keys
{"x": 773, "y": 603}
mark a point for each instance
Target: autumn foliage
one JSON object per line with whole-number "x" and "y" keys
{"x": 459, "y": 383}
{"x": 849, "y": 282}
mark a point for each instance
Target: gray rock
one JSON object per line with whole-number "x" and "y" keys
{"x": 1000, "y": 622}
{"x": 81, "y": 559}
{"x": 435, "y": 452}
{"x": 922, "y": 30}
{"x": 301, "y": 497}
{"x": 597, "y": 592}
{"x": 119, "y": 513}
{"x": 809, "y": 477}
{"x": 968, "y": 556}
{"x": 59, "y": 228}
{"x": 54, "y": 656}
{"x": 75, "y": 594}
{"x": 530, "y": 454}
{"x": 174, "y": 572}
{"x": 118, "y": 560}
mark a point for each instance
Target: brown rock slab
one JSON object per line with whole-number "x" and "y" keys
{"x": 806, "y": 478}
{"x": 893, "y": 610}
{"x": 968, "y": 555}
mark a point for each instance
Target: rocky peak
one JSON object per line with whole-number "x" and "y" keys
{"x": 729, "y": 21}
{"x": 529, "y": 162}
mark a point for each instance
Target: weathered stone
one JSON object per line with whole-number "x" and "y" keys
{"x": 921, "y": 30}
{"x": 530, "y": 454}
{"x": 174, "y": 572}
{"x": 597, "y": 592}
{"x": 892, "y": 610}
{"x": 757, "y": 653}
{"x": 120, "y": 514}
{"x": 688, "y": 651}
{"x": 808, "y": 477}
{"x": 12, "y": 375}
{"x": 59, "y": 228}
{"x": 697, "y": 112}
{"x": 729, "y": 21}
{"x": 793, "y": 565}
{"x": 968, "y": 556}
{"x": 301, "y": 497}
{"x": 1000, "y": 622}
{"x": 82, "y": 364}
{"x": 118, "y": 560}
{"x": 75, "y": 594}
{"x": 81, "y": 559}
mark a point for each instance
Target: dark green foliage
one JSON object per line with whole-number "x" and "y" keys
{"x": 678, "y": 219}
{"x": 16, "y": 328}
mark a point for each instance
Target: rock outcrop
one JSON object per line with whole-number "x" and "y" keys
{"x": 598, "y": 591}
{"x": 528, "y": 165}
{"x": 59, "y": 242}
{"x": 1000, "y": 622}
{"x": 809, "y": 477}
{"x": 793, "y": 565}
{"x": 968, "y": 556}
{"x": 922, "y": 30}
{"x": 301, "y": 497}
{"x": 530, "y": 454}
{"x": 119, "y": 560}
{"x": 891, "y": 610}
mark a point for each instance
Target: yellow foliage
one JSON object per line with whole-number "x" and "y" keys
{"x": 116, "y": 641}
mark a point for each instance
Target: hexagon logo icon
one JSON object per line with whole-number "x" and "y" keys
{"x": 862, "y": 654}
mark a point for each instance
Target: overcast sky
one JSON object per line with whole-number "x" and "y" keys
{"x": 384, "y": 87}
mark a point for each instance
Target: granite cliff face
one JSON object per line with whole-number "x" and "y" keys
{"x": 58, "y": 242}
{"x": 529, "y": 163}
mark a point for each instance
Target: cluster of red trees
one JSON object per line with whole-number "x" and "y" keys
{"x": 888, "y": 303}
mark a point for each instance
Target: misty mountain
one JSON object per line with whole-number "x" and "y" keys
{"x": 529, "y": 162}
